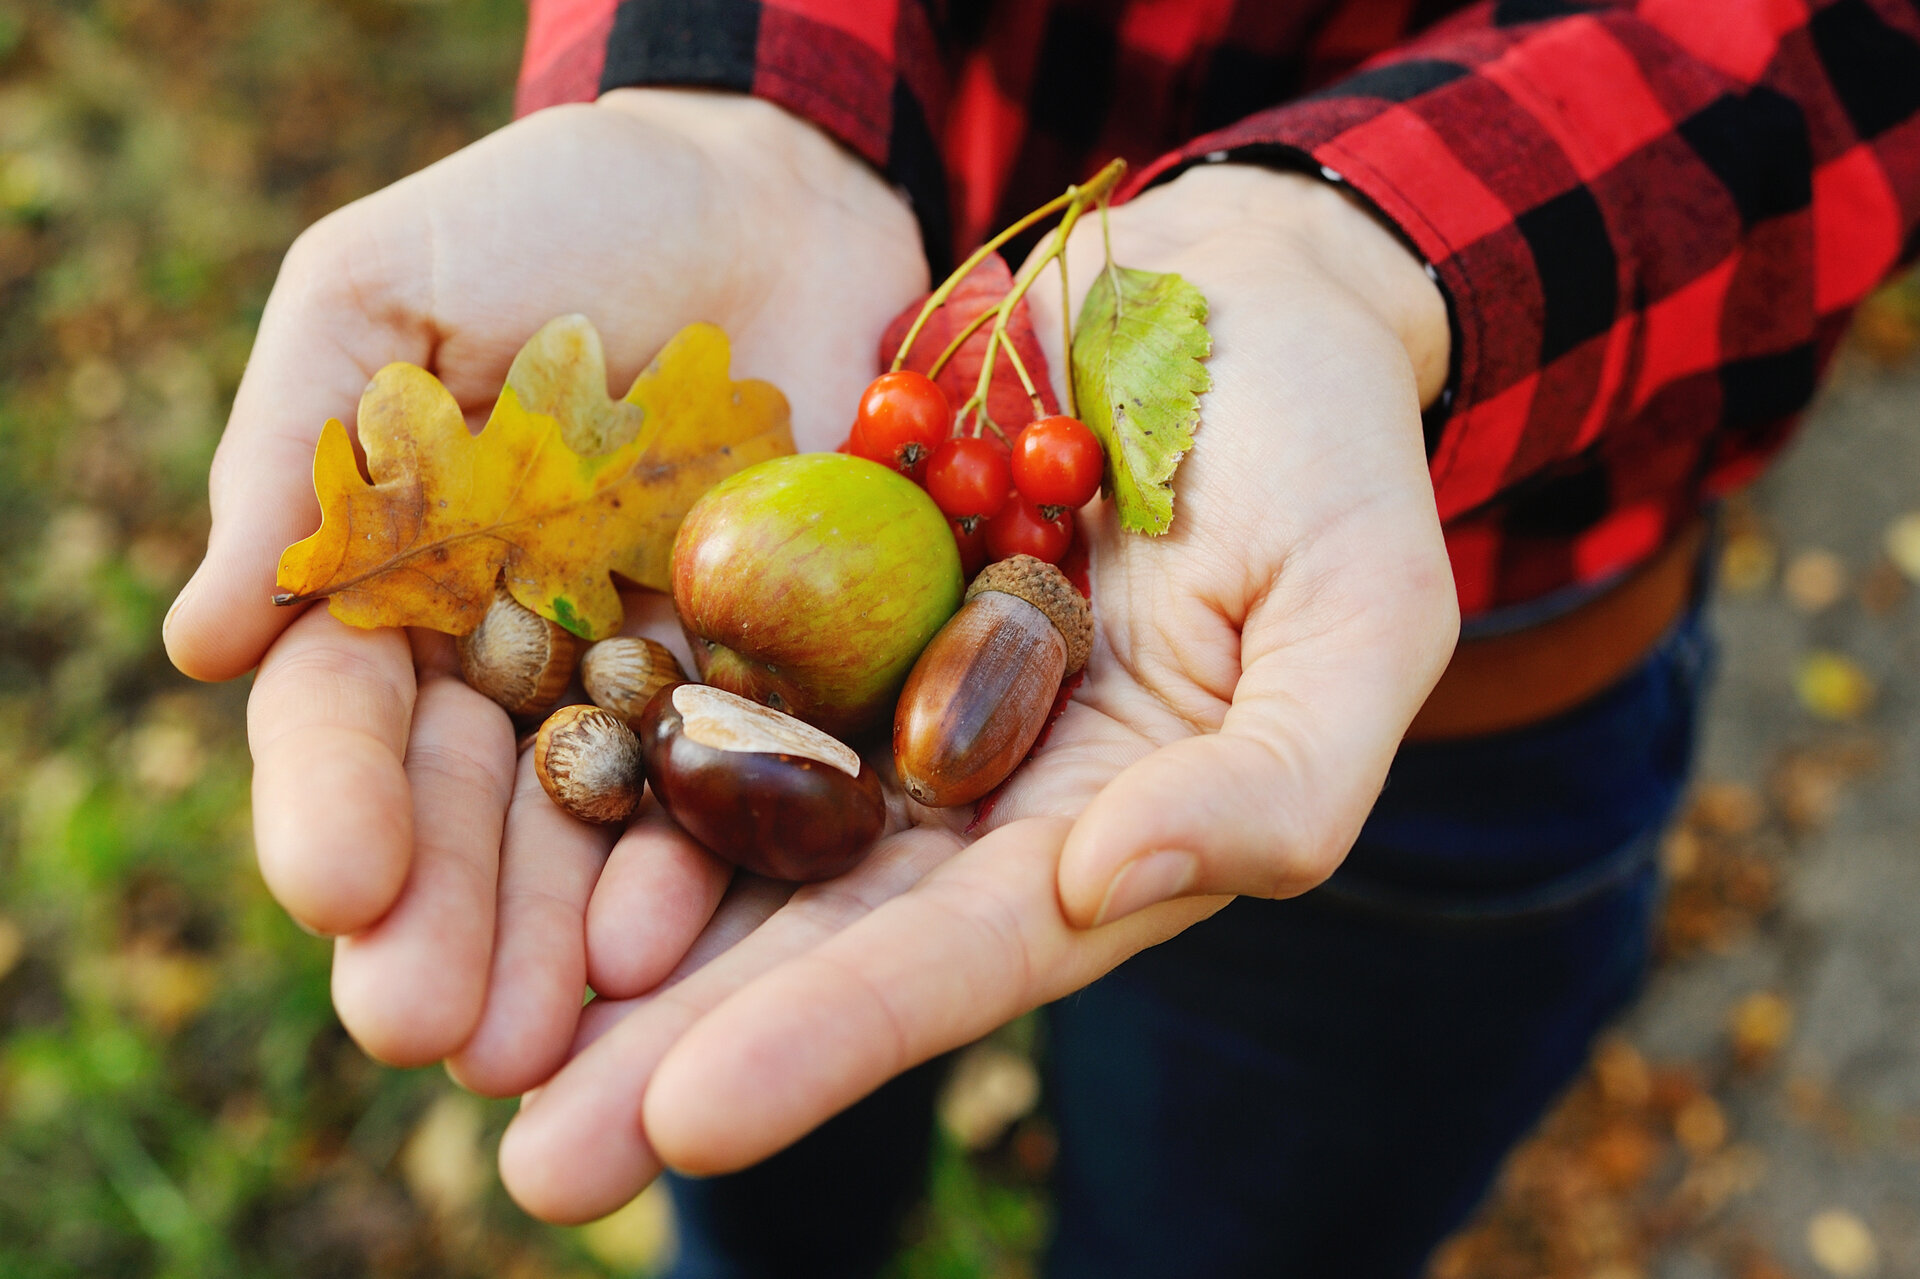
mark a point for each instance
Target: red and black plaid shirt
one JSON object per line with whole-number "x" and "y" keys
{"x": 1651, "y": 220}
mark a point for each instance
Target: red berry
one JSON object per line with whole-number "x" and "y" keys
{"x": 970, "y": 535}
{"x": 1020, "y": 529}
{"x": 968, "y": 476}
{"x": 903, "y": 416}
{"x": 1058, "y": 462}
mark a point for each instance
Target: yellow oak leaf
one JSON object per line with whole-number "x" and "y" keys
{"x": 562, "y": 372}
{"x": 447, "y": 511}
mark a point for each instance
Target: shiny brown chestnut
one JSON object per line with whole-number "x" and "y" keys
{"x": 765, "y": 791}
{"x": 980, "y": 693}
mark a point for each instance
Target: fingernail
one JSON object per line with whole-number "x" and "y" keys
{"x": 1148, "y": 880}
{"x": 166, "y": 623}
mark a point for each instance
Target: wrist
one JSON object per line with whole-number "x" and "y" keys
{"x": 785, "y": 186}
{"x": 1346, "y": 242}
{"x": 742, "y": 213}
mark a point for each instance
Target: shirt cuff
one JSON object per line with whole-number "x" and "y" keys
{"x": 1274, "y": 155}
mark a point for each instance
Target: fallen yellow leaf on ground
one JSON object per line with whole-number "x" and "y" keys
{"x": 13, "y": 944}
{"x": 443, "y": 1161}
{"x": 1814, "y": 580}
{"x": 1727, "y": 808}
{"x": 1761, "y": 1023}
{"x": 1747, "y": 563}
{"x": 1832, "y": 686}
{"x": 1841, "y": 1244}
{"x": 1701, "y": 1125}
{"x": 991, "y": 1088}
{"x": 1903, "y": 545}
{"x": 638, "y": 1236}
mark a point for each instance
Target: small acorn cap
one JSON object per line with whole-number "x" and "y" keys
{"x": 623, "y": 673}
{"x": 1047, "y": 589}
{"x": 589, "y": 762}
{"x": 517, "y": 657}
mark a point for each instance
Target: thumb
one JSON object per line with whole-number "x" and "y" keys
{"x": 327, "y": 328}
{"x": 1265, "y": 807}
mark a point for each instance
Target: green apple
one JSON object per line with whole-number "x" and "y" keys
{"x": 811, "y": 583}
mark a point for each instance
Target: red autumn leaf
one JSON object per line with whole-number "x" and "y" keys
{"x": 983, "y": 288}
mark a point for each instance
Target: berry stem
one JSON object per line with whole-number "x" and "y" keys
{"x": 1000, "y": 313}
{"x": 973, "y": 402}
{"x": 1059, "y": 254}
{"x": 978, "y": 407}
{"x": 959, "y": 340}
{"x": 939, "y": 296}
{"x": 1020, "y": 368}
{"x": 1076, "y": 199}
{"x": 1066, "y": 337}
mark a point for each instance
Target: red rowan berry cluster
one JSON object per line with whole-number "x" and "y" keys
{"x": 1002, "y": 497}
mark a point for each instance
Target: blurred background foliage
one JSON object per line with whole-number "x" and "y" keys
{"x": 176, "y": 1097}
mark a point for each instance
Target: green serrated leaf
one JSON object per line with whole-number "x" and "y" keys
{"x": 1138, "y": 378}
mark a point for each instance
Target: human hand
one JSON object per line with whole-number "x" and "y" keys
{"x": 1253, "y": 673}
{"x": 389, "y": 808}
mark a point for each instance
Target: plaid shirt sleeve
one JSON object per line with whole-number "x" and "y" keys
{"x": 1651, "y": 220}
{"x": 869, "y": 72}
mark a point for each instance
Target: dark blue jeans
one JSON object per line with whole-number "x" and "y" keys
{"x": 1320, "y": 1086}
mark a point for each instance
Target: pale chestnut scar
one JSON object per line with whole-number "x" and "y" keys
{"x": 727, "y": 722}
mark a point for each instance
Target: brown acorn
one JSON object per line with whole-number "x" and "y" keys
{"x": 589, "y": 762}
{"x": 770, "y": 793}
{"x": 517, "y": 657}
{"x": 981, "y": 691}
{"x": 623, "y": 673}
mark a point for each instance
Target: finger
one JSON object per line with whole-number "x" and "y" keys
{"x": 577, "y": 1150}
{"x": 657, "y": 893}
{"x": 1270, "y": 804}
{"x": 327, "y": 723}
{"x": 410, "y": 988}
{"x": 979, "y": 942}
{"x": 548, "y": 865}
{"x": 748, "y": 903}
{"x": 340, "y": 309}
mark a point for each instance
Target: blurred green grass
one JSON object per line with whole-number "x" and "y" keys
{"x": 176, "y": 1096}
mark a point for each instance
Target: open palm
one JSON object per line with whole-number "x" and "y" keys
{"x": 1252, "y": 674}
{"x": 390, "y": 810}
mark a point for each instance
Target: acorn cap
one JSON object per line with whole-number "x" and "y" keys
{"x": 1047, "y": 589}
{"x": 589, "y": 762}
{"x": 517, "y": 657}
{"x": 623, "y": 673}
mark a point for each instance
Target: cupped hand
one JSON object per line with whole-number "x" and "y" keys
{"x": 388, "y": 801}
{"x": 1253, "y": 672}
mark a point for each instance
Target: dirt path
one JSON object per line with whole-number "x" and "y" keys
{"x": 1836, "y": 1120}
{"x": 1758, "y": 1114}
